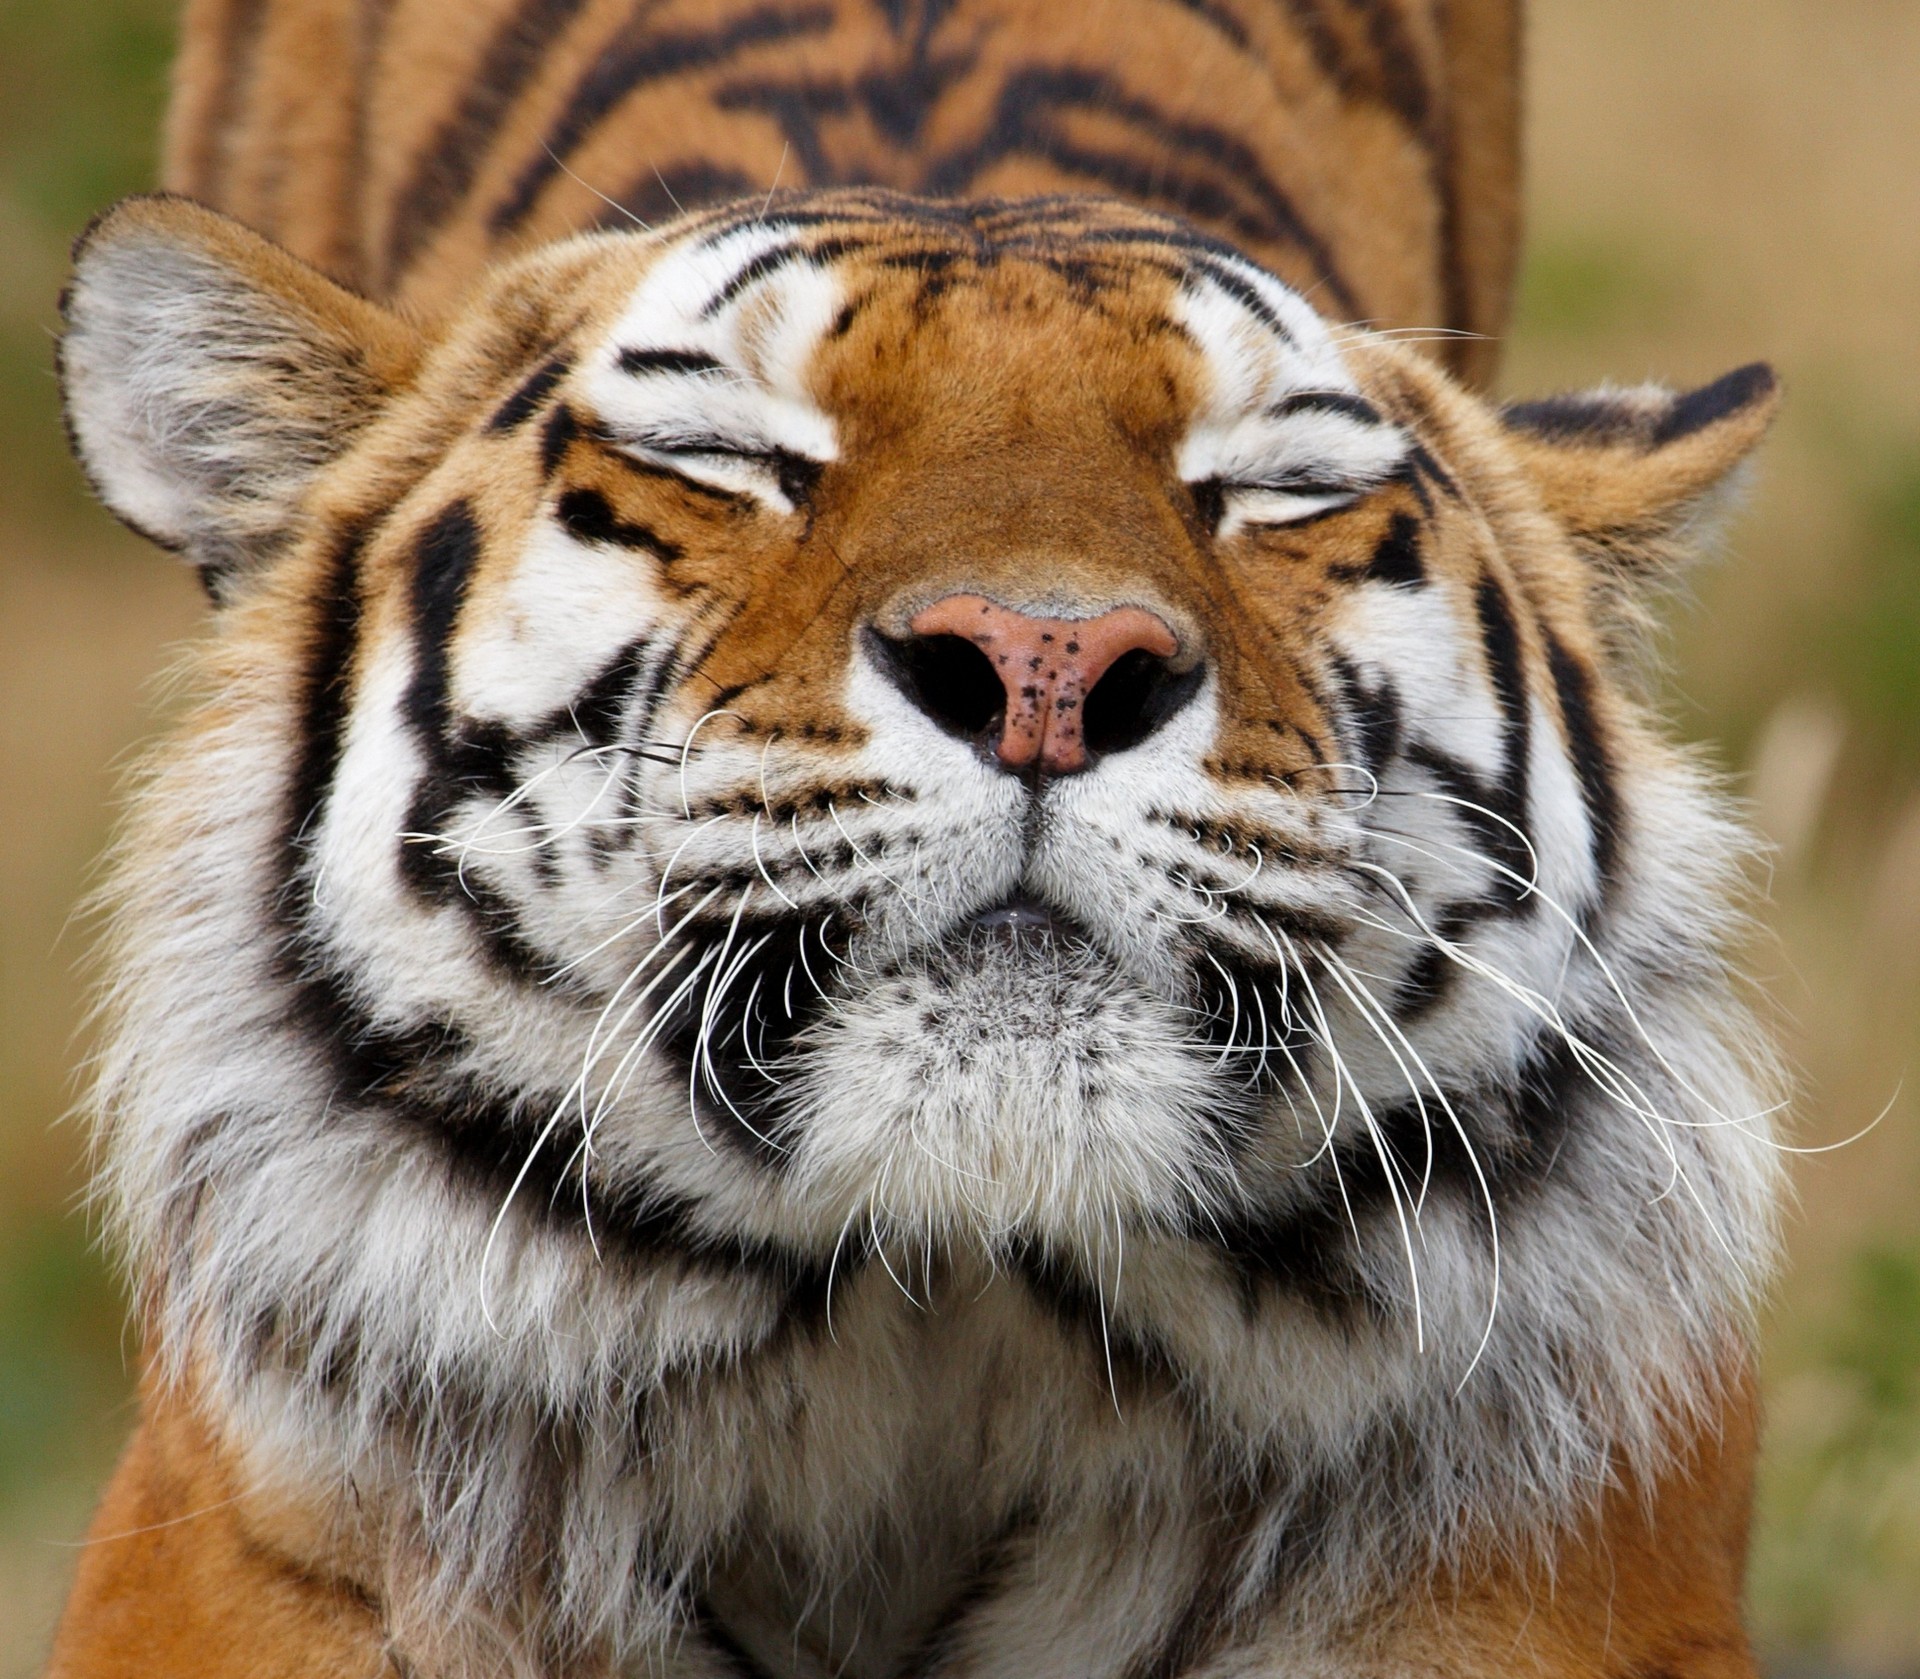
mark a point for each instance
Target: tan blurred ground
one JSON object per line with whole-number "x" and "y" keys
{"x": 1712, "y": 180}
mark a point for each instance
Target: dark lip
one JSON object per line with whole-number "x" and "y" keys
{"x": 1021, "y": 917}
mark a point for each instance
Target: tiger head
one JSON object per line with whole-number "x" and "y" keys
{"x": 981, "y": 722}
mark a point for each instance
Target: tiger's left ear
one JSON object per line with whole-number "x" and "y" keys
{"x": 210, "y": 376}
{"x": 1631, "y": 474}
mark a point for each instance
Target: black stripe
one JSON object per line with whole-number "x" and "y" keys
{"x": 1396, "y": 557}
{"x": 1480, "y": 808}
{"x": 668, "y": 361}
{"x": 639, "y": 57}
{"x": 599, "y": 710}
{"x": 562, "y": 427}
{"x": 445, "y": 554}
{"x": 1072, "y": 1300}
{"x": 1325, "y": 402}
{"x": 1500, "y": 638}
{"x": 588, "y": 515}
{"x": 472, "y": 759}
{"x": 1426, "y": 470}
{"x": 1427, "y": 978}
{"x": 1725, "y": 397}
{"x": 1372, "y": 713}
{"x": 754, "y": 1020}
{"x": 799, "y": 107}
{"x": 488, "y": 1143}
{"x": 771, "y": 262}
{"x": 1578, "y": 417}
{"x": 1246, "y": 294}
{"x": 1497, "y": 813}
{"x": 1592, "y": 762}
{"x": 1219, "y": 18}
{"x": 1599, "y": 418}
{"x": 1393, "y": 79}
{"x": 443, "y": 174}
{"x": 639, "y": 466}
{"x": 525, "y": 402}
{"x": 332, "y": 641}
{"x": 318, "y": 1000}
{"x": 1308, "y": 1253}
{"x": 1201, "y": 170}
{"x": 1402, "y": 82}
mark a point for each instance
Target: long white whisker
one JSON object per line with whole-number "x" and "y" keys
{"x": 1369, "y": 1004}
{"x": 1396, "y": 1189}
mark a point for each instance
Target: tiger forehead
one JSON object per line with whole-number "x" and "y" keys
{"x": 903, "y": 288}
{"x": 883, "y": 319}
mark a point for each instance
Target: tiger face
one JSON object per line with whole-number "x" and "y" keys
{"x": 927, "y": 724}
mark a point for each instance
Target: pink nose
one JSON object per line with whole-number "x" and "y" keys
{"x": 1048, "y": 667}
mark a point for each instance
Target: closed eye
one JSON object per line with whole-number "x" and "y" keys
{"x": 1290, "y": 501}
{"x": 779, "y": 477}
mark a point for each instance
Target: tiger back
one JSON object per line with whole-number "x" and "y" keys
{"x": 919, "y": 918}
{"x": 1366, "y": 154}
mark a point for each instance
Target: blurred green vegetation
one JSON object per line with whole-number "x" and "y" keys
{"x": 82, "y": 89}
{"x": 1870, "y": 645}
{"x": 1586, "y": 283}
{"x": 61, "y": 1367}
{"x": 1840, "y": 1506}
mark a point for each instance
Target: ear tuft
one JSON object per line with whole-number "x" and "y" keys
{"x": 1631, "y": 473}
{"x": 1750, "y": 390}
{"x": 210, "y": 375}
{"x": 1643, "y": 416}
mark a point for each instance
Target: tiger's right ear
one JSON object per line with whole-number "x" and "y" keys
{"x": 209, "y": 376}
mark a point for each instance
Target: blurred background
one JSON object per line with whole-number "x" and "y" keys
{"x": 1710, "y": 181}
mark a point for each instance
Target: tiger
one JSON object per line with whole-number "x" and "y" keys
{"x": 920, "y": 910}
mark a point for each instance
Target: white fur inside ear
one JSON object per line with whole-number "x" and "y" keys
{"x": 201, "y": 405}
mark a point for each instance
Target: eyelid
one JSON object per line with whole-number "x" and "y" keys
{"x": 695, "y": 443}
{"x": 790, "y": 474}
{"x": 1310, "y": 501}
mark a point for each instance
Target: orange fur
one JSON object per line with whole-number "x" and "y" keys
{"x": 185, "y": 1571}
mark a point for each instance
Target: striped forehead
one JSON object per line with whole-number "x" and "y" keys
{"x": 1281, "y": 403}
{"x": 716, "y": 343}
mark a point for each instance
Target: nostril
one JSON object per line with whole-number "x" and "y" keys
{"x": 947, "y": 677}
{"x": 1138, "y": 693}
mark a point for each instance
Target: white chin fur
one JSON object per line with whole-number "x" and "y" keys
{"x": 1007, "y": 1087}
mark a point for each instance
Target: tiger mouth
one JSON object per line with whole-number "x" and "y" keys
{"x": 769, "y": 985}
{"x": 772, "y": 989}
{"x": 1020, "y": 920}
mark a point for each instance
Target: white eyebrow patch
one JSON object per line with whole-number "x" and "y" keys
{"x": 1285, "y": 433}
{"x": 706, "y": 370}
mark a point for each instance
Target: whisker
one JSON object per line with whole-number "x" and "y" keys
{"x": 1380, "y": 1018}
{"x": 1395, "y": 1188}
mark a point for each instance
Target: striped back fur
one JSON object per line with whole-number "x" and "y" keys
{"x": 909, "y": 935}
{"x": 1366, "y": 153}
